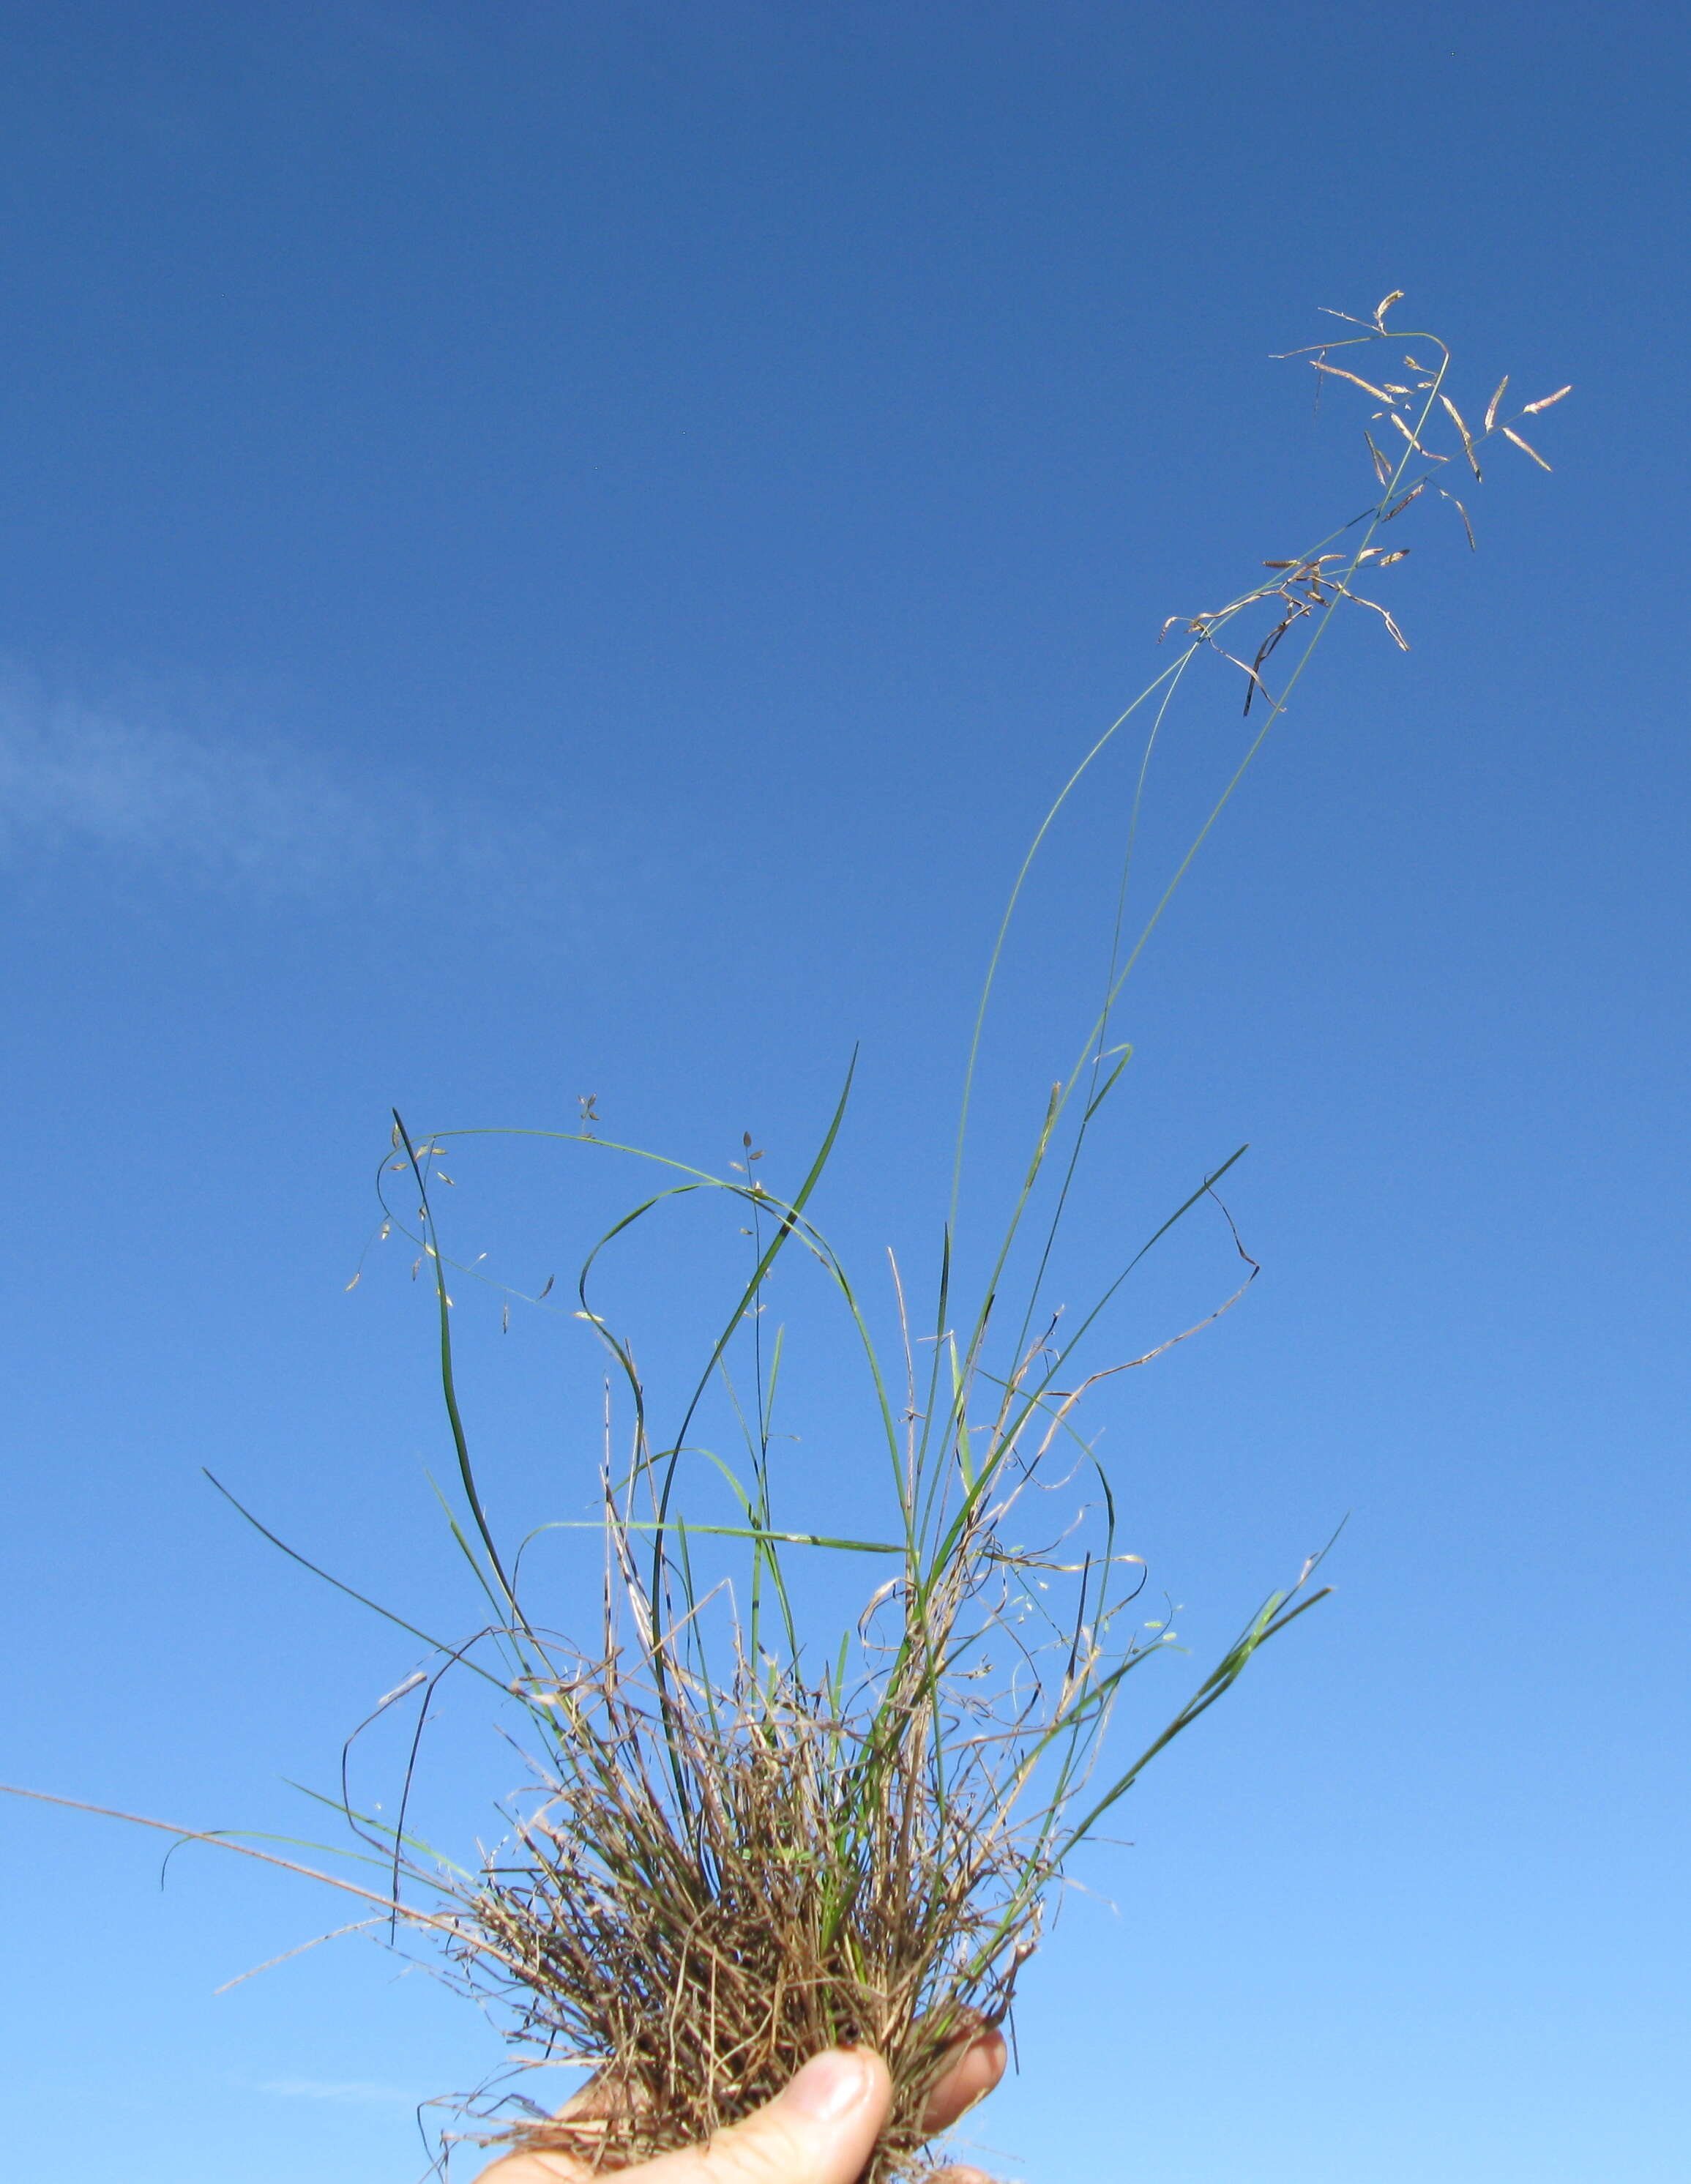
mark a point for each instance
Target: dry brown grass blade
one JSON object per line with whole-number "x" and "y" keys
{"x": 447, "y": 1925}
{"x": 300, "y": 1949}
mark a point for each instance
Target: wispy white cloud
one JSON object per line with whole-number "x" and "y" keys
{"x": 355, "y": 2092}
{"x": 72, "y": 774}
{"x": 239, "y": 808}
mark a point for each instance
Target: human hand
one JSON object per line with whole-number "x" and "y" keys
{"x": 819, "y": 2131}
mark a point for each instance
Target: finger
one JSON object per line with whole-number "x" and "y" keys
{"x": 537, "y": 2169}
{"x": 603, "y": 2096}
{"x": 820, "y": 2130}
{"x": 972, "y": 2077}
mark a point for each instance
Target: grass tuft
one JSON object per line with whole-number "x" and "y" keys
{"x": 729, "y": 1858}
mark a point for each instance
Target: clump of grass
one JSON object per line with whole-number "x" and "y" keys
{"x": 742, "y": 1843}
{"x": 716, "y": 1877}
{"x": 732, "y": 1858}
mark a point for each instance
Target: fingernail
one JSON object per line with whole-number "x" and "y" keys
{"x": 829, "y": 2087}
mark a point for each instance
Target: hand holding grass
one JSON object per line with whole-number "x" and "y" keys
{"x": 821, "y": 2130}
{"x": 746, "y": 1838}
{"x": 750, "y": 1838}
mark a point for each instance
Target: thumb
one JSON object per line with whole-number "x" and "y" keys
{"x": 820, "y": 2130}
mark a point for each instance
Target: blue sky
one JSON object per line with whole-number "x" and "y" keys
{"x": 562, "y": 549}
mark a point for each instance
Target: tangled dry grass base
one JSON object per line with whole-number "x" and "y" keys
{"x": 700, "y": 1905}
